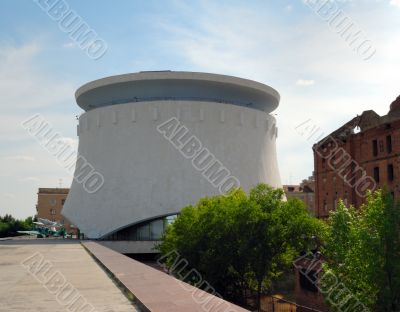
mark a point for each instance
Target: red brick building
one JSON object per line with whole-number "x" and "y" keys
{"x": 363, "y": 154}
{"x": 307, "y": 294}
{"x": 49, "y": 205}
{"x": 304, "y": 192}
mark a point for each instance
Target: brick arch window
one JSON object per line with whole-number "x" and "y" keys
{"x": 376, "y": 174}
{"x": 389, "y": 146}
{"x": 390, "y": 172}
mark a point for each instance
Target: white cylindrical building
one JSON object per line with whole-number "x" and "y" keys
{"x": 151, "y": 143}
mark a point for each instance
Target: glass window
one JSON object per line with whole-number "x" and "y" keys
{"x": 157, "y": 229}
{"x": 390, "y": 172}
{"x": 171, "y": 219}
{"x": 375, "y": 147}
{"x": 308, "y": 280}
{"x": 376, "y": 174}
{"x": 144, "y": 232}
{"x": 389, "y": 143}
{"x": 381, "y": 148}
{"x": 149, "y": 230}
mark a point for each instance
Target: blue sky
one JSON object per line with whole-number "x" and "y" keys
{"x": 282, "y": 43}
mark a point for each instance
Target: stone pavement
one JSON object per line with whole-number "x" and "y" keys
{"x": 55, "y": 275}
{"x": 157, "y": 291}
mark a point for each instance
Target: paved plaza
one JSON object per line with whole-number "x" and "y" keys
{"x": 47, "y": 275}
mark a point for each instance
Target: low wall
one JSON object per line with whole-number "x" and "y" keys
{"x": 153, "y": 290}
{"x": 131, "y": 247}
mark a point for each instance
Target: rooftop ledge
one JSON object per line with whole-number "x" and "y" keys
{"x": 176, "y": 86}
{"x": 154, "y": 290}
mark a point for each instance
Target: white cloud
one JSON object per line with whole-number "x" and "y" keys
{"x": 395, "y": 3}
{"x": 30, "y": 179}
{"x": 69, "y": 141}
{"x": 305, "y": 83}
{"x": 69, "y": 45}
{"x": 20, "y": 158}
{"x": 8, "y": 195}
{"x": 274, "y": 51}
{"x": 23, "y": 84}
{"x": 27, "y": 88}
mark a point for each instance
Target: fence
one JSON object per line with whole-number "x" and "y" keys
{"x": 275, "y": 304}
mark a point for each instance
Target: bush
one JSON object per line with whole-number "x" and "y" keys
{"x": 240, "y": 241}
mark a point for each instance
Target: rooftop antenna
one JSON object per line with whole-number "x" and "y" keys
{"x": 60, "y": 183}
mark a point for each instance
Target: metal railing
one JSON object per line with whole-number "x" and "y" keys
{"x": 172, "y": 98}
{"x": 275, "y": 304}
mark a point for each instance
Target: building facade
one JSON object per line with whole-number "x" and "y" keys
{"x": 49, "y": 205}
{"x": 304, "y": 191}
{"x": 160, "y": 141}
{"x": 361, "y": 155}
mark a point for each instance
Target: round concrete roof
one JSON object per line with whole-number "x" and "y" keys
{"x": 172, "y": 85}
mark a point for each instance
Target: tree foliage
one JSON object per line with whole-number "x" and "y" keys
{"x": 241, "y": 241}
{"x": 9, "y": 225}
{"x": 363, "y": 251}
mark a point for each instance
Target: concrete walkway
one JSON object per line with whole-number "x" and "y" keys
{"x": 55, "y": 275}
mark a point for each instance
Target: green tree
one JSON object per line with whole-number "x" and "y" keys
{"x": 362, "y": 250}
{"x": 239, "y": 242}
{"x": 9, "y": 226}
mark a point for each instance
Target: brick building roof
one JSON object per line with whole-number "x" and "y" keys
{"x": 367, "y": 120}
{"x": 51, "y": 190}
